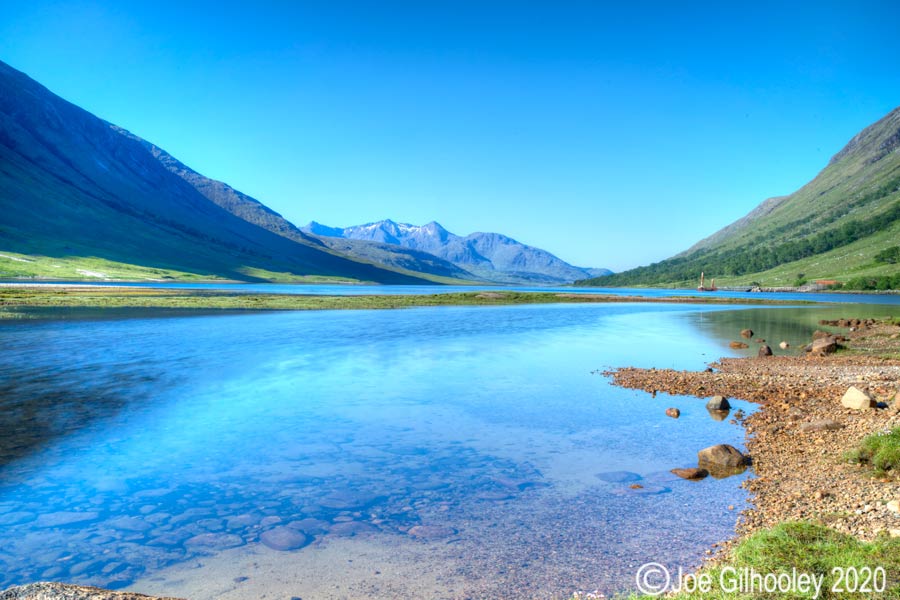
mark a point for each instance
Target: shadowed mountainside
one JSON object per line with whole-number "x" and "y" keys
{"x": 76, "y": 187}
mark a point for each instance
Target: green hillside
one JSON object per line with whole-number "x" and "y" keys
{"x": 83, "y": 199}
{"x": 840, "y": 226}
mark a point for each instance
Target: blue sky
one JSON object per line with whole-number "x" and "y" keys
{"x": 612, "y": 134}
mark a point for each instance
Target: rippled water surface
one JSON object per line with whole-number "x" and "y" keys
{"x": 435, "y": 452}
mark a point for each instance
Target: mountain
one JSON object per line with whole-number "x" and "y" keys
{"x": 843, "y": 225}
{"x": 487, "y": 256}
{"x": 81, "y": 197}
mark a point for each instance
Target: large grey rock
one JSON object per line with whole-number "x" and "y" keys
{"x": 857, "y": 399}
{"x": 826, "y": 345}
{"x": 721, "y": 456}
{"x": 764, "y": 350}
{"x": 62, "y": 591}
{"x": 718, "y": 403}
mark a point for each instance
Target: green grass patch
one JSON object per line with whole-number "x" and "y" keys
{"x": 880, "y": 451}
{"x": 803, "y": 547}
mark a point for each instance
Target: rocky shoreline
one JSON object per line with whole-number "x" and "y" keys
{"x": 62, "y": 591}
{"x": 799, "y": 437}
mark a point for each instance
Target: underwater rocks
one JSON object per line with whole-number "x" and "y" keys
{"x": 283, "y": 539}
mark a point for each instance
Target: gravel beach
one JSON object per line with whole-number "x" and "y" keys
{"x": 799, "y": 438}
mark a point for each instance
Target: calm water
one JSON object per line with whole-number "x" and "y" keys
{"x": 341, "y": 290}
{"x": 477, "y": 441}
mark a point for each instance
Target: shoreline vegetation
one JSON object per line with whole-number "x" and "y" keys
{"x": 825, "y": 459}
{"x": 73, "y": 301}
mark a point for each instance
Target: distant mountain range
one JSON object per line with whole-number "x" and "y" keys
{"x": 844, "y": 226}
{"x": 83, "y": 198}
{"x": 481, "y": 256}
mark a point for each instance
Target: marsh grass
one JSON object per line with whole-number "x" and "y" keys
{"x": 43, "y": 301}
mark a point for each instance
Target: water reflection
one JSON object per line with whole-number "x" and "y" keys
{"x": 133, "y": 446}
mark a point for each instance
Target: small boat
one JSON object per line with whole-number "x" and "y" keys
{"x": 704, "y": 288}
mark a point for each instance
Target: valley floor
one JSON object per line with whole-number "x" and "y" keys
{"x": 19, "y": 301}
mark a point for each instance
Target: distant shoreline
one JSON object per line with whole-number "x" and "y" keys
{"x": 74, "y": 301}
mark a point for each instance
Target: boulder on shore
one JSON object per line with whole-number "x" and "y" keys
{"x": 857, "y": 399}
{"x": 718, "y": 403}
{"x": 64, "y": 591}
{"x": 764, "y": 350}
{"x": 822, "y": 346}
{"x": 721, "y": 456}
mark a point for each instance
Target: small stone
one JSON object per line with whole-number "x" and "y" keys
{"x": 747, "y": 333}
{"x": 784, "y": 345}
{"x": 893, "y": 506}
{"x": 635, "y": 486}
{"x": 764, "y": 350}
{"x": 894, "y": 533}
{"x": 820, "y": 425}
{"x": 738, "y": 345}
{"x": 857, "y": 399}
{"x": 673, "y": 412}
{"x": 692, "y": 473}
{"x": 718, "y": 403}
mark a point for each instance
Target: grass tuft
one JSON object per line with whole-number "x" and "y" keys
{"x": 881, "y": 451}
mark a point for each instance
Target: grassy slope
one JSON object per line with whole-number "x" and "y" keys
{"x": 861, "y": 182}
{"x": 76, "y": 189}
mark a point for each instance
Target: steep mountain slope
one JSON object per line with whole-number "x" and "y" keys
{"x": 834, "y": 227}
{"x": 489, "y": 256}
{"x": 75, "y": 188}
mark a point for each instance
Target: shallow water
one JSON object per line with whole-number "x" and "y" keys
{"x": 452, "y": 452}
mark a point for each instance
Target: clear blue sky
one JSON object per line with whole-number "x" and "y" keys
{"x": 612, "y": 134}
